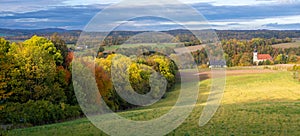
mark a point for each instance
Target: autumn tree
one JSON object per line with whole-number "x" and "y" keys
{"x": 5, "y": 66}
{"x": 34, "y": 82}
{"x": 61, "y": 46}
{"x": 34, "y": 71}
{"x": 46, "y": 45}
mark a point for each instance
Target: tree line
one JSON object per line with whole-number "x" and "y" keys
{"x": 36, "y": 85}
{"x": 240, "y": 52}
{"x": 36, "y": 80}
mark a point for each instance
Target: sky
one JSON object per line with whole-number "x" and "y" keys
{"x": 220, "y": 14}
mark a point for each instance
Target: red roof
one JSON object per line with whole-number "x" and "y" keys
{"x": 264, "y": 57}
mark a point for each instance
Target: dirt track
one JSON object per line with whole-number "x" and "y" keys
{"x": 207, "y": 74}
{"x": 239, "y": 72}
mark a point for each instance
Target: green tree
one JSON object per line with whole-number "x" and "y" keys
{"x": 246, "y": 60}
{"x": 34, "y": 71}
{"x": 280, "y": 59}
{"x": 165, "y": 67}
{"x": 60, "y": 46}
{"x": 5, "y": 66}
{"x": 292, "y": 58}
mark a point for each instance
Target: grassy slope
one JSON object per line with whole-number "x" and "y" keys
{"x": 259, "y": 104}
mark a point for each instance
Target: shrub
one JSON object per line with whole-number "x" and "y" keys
{"x": 203, "y": 66}
{"x": 296, "y": 70}
{"x": 37, "y": 113}
{"x": 139, "y": 72}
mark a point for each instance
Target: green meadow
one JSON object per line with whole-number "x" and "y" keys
{"x": 158, "y": 45}
{"x": 253, "y": 104}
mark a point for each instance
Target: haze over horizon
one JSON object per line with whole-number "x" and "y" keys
{"x": 221, "y": 14}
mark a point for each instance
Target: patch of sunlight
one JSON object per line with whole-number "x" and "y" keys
{"x": 265, "y": 87}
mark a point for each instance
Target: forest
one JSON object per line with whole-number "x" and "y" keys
{"x": 36, "y": 80}
{"x": 240, "y": 52}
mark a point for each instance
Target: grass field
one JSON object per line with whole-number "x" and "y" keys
{"x": 288, "y": 45}
{"x": 158, "y": 45}
{"x": 253, "y": 104}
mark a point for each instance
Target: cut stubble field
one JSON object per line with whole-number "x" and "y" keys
{"x": 255, "y": 102}
{"x": 295, "y": 44}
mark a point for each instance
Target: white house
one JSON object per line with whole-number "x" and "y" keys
{"x": 217, "y": 64}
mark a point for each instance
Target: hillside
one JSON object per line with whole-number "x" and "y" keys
{"x": 253, "y": 104}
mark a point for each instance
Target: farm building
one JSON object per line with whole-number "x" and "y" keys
{"x": 217, "y": 64}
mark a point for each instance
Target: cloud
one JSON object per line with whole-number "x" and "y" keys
{"x": 34, "y": 5}
{"x": 213, "y": 2}
{"x": 283, "y": 26}
{"x": 287, "y": 1}
{"x": 222, "y": 25}
{"x": 31, "y": 20}
{"x": 22, "y": 6}
{"x": 6, "y": 14}
{"x": 89, "y": 2}
{"x": 230, "y": 14}
{"x": 283, "y": 22}
{"x": 246, "y": 12}
{"x": 59, "y": 17}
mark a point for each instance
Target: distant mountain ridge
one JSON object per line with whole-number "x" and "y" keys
{"x": 71, "y": 36}
{"x": 20, "y": 32}
{"x": 175, "y": 31}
